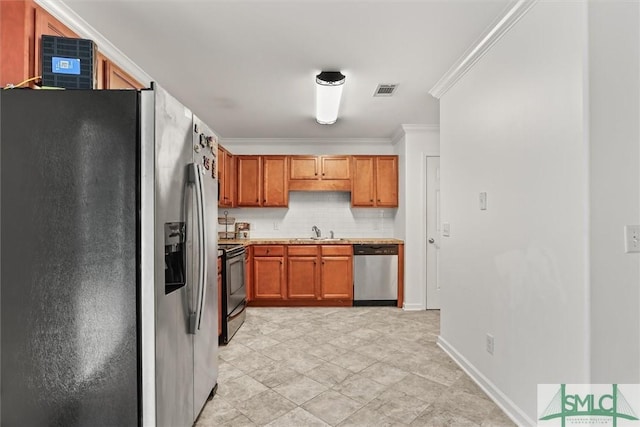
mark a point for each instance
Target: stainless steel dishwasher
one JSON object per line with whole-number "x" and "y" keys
{"x": 375, "y": 271}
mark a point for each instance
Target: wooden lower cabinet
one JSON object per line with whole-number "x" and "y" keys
{"x": 269, "y": 280}
{"x": 337, "y": 278}
{"x": 314, "y": 275}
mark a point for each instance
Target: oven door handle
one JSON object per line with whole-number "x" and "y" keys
{"x": 238, "y": 310}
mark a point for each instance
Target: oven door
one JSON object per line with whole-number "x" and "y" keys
{"x": 236, "y": 290}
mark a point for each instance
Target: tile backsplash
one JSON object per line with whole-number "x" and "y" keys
{"x": 327, "y": 210}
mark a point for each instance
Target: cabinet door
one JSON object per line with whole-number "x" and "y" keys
{"x": 101, "y": 65}
{"x": 275, "y": 190}
{"x": 117, "y": 78}
{"x": 230, "y": 180}
{"x": 362, "y": 181}
{"x": 387, "y": 181}
{"x": 335, "y": 167}
{"x": 303, "y": 167}
{"x": 249, "y": 180}
{"x": 268, "y": 278}
{"x": 301, "y": 277}
{"x": 337, "y": 277}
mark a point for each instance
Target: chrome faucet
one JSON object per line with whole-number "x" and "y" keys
{"x": 316, "y": 230}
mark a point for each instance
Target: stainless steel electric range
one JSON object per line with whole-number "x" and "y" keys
{"x": 234, "y": 291}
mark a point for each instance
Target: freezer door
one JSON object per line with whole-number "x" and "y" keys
{"x": 68, "y": 178}
{"x": 174, "y": 305}
{"x": 205, "y": 338}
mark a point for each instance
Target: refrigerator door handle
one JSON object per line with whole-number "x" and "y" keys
{"x": 195, "y": 177}
{"x": 203, "y": 251}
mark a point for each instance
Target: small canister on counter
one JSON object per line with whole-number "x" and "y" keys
{"x": 243, "y": 230}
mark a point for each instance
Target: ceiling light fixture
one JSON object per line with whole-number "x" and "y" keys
{"x": 328, "y": 93}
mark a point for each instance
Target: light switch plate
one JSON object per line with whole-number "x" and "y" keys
{"x": 446, "y": 229}
{"x": 483, "y": 201}
{"x": 632, "y": 238}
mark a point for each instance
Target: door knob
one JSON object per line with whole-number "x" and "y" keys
{"x": 431, "y": 240}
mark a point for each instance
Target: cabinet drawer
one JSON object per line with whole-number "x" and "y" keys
{"x": 268, "y": 250}
{"x": 302, "y": 250}
{"x": 337, "y": 250}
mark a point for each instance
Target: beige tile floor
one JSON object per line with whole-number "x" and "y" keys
{"x": 356, "y": 366}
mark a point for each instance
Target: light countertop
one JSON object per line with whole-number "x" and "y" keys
{"x": 309, "y": 241}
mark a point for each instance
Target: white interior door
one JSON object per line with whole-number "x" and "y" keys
{"x": 433, "y": 232}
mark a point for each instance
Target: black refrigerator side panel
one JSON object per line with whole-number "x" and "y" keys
{"x": 68, "y": 272}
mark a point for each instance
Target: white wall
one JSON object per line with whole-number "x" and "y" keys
{"x": 417, "y": 142}
{"x": 513, "y": 127}
{"x": 614, "y": 92}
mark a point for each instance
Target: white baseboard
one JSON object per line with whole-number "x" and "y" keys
{"x": 511, "y": 409}
{"x": 413, "y": 307}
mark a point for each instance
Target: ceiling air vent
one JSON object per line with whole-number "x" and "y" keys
{"x": 385, "y": 90}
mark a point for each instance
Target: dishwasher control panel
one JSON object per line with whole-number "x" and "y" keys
{"x": 375, "y": 249}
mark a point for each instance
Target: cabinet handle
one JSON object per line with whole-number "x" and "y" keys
{"x": 264, "y": 201}
{"x": 316, "y": 174}
{"x": 257, "y": 200}
{"x": 378, "y": 199}
{"x": 267, "y": 250}
{"x": 281, "y": 262}
{"x": 371, "y": 200}
{"x": 322, "y": 173}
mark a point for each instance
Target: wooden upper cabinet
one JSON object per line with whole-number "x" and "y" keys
{"x": 335, "y": 167}
{"x": 101, "y": 65}
{"x": 374, "y": 181}
{"x": 47, "y": 25}
{"x": 117, "y": 78}
{"x": 17, "y": 23}
{"x": 262, "y": 181}
{"x": 362, "y": 181}
{"x": 387, "y": 181}
{"x": 275, "y": 191}
{"x": 303, "y": 167}
{"x": 319, "y": 173}
{"x": 226, "y": 177}
{"x": 249, "y": 180}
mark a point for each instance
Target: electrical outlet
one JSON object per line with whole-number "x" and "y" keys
{"x": 276, "y": 226}
{"x": 632, "y": 238}
{"x": 490, "y": 344}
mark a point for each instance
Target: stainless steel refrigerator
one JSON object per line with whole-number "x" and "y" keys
{"x": 108, "y": 298}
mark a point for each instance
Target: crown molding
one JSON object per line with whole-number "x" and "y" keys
{"x": 491, "y": 35}
{"x": 305, "y": 141}
{"x": 402, "y": 130}
{"x": 69, "y": 17}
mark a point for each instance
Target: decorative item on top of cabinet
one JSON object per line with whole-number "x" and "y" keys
{"x": 319, "y": 173}
{"x": 262, "y": 181}
{"x": 374, "y": 181}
